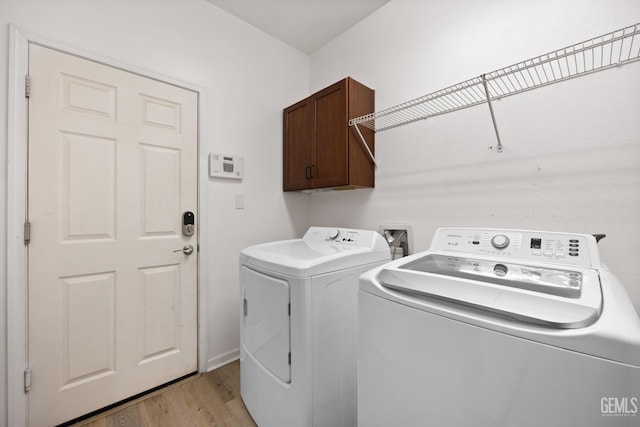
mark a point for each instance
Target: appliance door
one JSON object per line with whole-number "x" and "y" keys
{"x": 416, "y": 368}
{"x": 266, "y": 321}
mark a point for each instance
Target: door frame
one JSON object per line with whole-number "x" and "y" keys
{"x": 17, "y": 170}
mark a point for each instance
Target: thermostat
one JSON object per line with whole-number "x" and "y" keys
{"x": 226, "y": 166}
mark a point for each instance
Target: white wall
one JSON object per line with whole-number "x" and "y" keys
{"x": 572, "y": 151}
{"x": 571, "y": 159}
{"x": 248, "y": 77}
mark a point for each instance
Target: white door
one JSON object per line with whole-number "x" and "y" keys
{"x": 112, "y": 168}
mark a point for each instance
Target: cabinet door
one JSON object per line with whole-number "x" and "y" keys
{"x": 298, "y": 134}
{"x": 361, "y": 168}
{"x": 330, "y": 159}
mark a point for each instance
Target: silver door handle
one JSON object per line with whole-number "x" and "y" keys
{"x": 187, "y": 250}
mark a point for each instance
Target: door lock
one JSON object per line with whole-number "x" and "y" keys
{"x": 187, "y": 250}
{"x": 188, "y": 223}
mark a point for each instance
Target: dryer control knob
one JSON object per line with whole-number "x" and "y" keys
{"x": 500, "y": 241}
{"x": 333, "y": 234}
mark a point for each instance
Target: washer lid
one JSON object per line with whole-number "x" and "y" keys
{"x": 321, "y": 251}
{"x": 558, "y": 298}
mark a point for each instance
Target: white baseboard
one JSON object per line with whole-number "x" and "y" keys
{"x": 223, "y": 359}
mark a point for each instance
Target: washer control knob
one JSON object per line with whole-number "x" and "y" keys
{"x": 500, "y": 241}
{"x": 334, "y": 234}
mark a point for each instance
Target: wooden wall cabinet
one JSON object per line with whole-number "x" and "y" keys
{"x": 320, "y": 149}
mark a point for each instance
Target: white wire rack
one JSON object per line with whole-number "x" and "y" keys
{"x": 599, "y": 53}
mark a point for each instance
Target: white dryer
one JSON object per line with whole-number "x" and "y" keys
{"x": 498, "y": 328}
{"x": 298, "y": 330}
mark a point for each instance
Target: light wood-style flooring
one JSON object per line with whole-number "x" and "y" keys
{"x": 211, "y": 399}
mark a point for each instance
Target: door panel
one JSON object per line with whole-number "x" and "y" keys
{"x": 88, "y": 187}
{"x": 266, "y": 323}
{"x": 88, "y": 96}
{"x": 159, "y": 322}
{"x": 112, "y": 167}
{"x": 159, "y": 183}
{"x": 88, "y": 336}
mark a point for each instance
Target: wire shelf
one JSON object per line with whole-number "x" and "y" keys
{"x": 599, "y": 53}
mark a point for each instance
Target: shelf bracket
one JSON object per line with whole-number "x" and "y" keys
{"x": 493, "y": 116}
{"x": 364, "y": 143}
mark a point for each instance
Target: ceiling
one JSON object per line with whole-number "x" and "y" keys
{"x": 304, "y": 24}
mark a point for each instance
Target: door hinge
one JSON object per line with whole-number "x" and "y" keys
{"x": 27, "y": 86}
{"x": 27, "y": 232}
{"x": 27, "y": 380}
{"x": 289, "y": 358}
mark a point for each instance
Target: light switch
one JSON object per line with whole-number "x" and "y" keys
{"x": 239, "y": 201}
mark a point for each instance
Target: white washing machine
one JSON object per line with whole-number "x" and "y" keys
{"x": 498, "y": 328}
{"x": 298, "y": 330}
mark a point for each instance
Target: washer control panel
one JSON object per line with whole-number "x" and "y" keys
{"x": 543, "y": 246}
{"x": 346, "y": 236}
{"x": 343, "y": 236}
